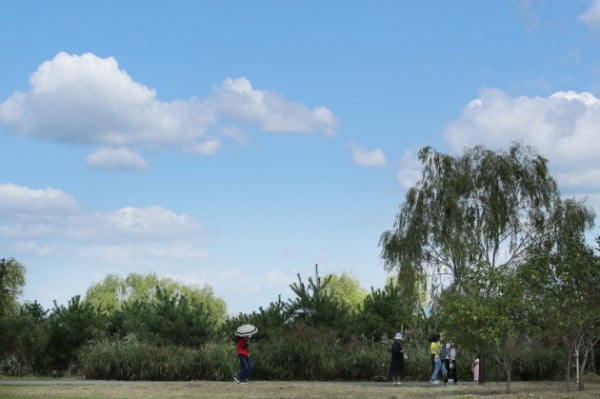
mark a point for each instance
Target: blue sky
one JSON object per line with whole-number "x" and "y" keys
{"x": 238, "y": 143}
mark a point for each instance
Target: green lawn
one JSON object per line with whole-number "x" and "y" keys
{"x": 63, "y": 389}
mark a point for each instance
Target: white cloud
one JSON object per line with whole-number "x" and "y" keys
{"x": 367, "y": 158}
{"x": 131, "y": 225}
{"x": 89, "y": 100}
{"x": 592, "y": 16}
{"x": 237, "y": 98}
{"x": 563, "y": 127}
{"x": 33, "y": 220}
{"x": 116, "y": 159}
{"x": 19, "y": 202}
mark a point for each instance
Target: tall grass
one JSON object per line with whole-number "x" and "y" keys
{"x": 300, "y": 354}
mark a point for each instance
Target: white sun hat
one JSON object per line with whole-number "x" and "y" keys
{"x": 398, "y": 336}
{"x": 246, "y": 330}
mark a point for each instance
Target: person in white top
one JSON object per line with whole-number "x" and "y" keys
{"x": 451, "y": 362}
{"x": 475, "y": 369}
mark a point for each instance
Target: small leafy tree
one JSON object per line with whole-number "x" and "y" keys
{"x": 564, "y": 279}
{"x": 494, "y": 314}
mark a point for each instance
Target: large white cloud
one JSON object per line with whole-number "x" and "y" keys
{"x": 89, "y": 100}
{"x": 563, "y": 127}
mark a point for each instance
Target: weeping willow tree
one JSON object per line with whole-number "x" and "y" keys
{"x": 482, "y": 207}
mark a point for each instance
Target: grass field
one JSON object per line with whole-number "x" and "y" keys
{"x": 63, "y": 389}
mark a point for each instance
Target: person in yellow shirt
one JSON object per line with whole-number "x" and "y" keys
{"x": 434, "y": 349}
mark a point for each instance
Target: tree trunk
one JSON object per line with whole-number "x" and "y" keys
{"x": 593, "y": 361}
{"x": 569, "y": 371}
{"x": 482, "y": 354}
{"x": 582, "y": 368}
{"x": 508, "y": 370}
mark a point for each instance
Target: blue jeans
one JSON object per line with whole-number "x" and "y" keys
{"x": 245, "y": 367}
{"x": 437, "y": 366}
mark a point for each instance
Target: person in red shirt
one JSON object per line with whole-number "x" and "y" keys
{"x": 244, "y": 355}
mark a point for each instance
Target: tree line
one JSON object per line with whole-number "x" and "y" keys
{"x": 483, "y": 248}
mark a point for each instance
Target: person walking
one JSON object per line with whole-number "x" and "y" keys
{"x": 243, "y": 352}
{"x": 434, "y": 349}
{"x": 451, "y": 362}
{"x": 397, "y": 363}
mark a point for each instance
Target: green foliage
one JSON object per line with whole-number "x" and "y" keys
{"x": 467, "y": 210}
{"x": 23, "y": 339}
{"x": 70, "y": 327}
{"x": 346, "y": 290}
{"x": 168, "y": 319}
{"x": 385, "y": 312}
{"x": 494, "y": 313}
{"x": 114, "y": 292}
{"x": 563, "y": 279}
{"x": 314, "y": 303}
{"x": 12, "y": 280}
{"x": 271, "y": 320}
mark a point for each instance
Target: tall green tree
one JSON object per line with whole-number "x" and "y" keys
{"x": 12, "y": 280}
{"x": 482, "y": 207}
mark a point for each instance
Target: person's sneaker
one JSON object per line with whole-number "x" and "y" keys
{"x": 244, "y": 382}
{"x": 436, "y": 382}
{"x": 236, "y": 379}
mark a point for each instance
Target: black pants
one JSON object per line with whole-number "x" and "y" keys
{"x": 450, "y": 371}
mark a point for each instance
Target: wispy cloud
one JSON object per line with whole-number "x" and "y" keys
{"x": 592, "y": 16}
{"x": 116, "y": 159}
{"x": 237, "y": 99}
